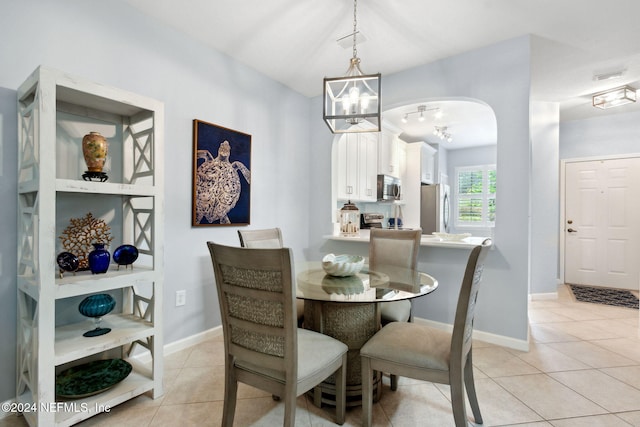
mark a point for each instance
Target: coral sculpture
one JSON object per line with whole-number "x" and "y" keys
{"x": 79, "y": 236}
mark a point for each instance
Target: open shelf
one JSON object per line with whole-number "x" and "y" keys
{"x": 125, "y": 328}
{"x": 55, "y": 112}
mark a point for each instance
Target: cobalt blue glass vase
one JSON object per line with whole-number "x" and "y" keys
{"x": 99, "y": 259}
{"x": 97, "y": 306}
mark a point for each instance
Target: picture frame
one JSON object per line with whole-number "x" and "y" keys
{"x": 221, "y": 176}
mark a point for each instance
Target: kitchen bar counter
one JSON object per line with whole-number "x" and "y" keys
{"x": 426, "y": 240}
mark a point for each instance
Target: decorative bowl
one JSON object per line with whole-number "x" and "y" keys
{"x": 342, "y": 265}
{"x": 452, "y": 237}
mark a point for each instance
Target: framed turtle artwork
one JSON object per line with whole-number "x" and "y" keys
{"x": 221, "y": 176}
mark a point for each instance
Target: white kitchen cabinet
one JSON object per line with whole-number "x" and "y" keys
{"x": 55, "y": 110}
{"x": 368, "y": 168}
{"x": 388, "y": 156}
{"x": 427, "y": 164}
{"x": 357, "y": 167}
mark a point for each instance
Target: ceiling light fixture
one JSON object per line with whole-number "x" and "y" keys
{"x": 614, "y": 97}
{"x": 421, "y": 110}
{"x": 441, "y": 132}
{"x": 353, "y": 99}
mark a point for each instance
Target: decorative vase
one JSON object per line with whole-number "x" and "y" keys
{"x": 99, "y": 259}
{"x": 94, "y": 149}
{"x": 97, "y": 306}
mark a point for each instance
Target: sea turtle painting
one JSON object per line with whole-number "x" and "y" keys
{"x": 218, "y": 185}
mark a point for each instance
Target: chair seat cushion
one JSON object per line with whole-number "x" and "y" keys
{"x": 395, "y": 311}
{"x": 315, "y": 352}
{"x": 410, "y": 344}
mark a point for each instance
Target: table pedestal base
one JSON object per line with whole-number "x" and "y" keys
{"x": 353, "y": 324}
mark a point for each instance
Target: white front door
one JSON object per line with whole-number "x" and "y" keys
{"x": 602, "y": 230}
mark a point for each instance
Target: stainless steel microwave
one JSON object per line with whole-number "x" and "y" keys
{"x": 389, "y": 188}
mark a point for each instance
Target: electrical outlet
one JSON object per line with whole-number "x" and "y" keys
{"x": 181, "y": 298}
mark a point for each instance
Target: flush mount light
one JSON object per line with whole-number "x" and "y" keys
{"x": 352, "y": 102}
{"x": 614, "y": 97}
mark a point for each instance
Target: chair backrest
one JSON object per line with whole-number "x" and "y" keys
{"x": 267, "y": 238}
{"x": 465, "y": 310}
{"x": 398, "y": 248}
{"x": 257, "y": 304}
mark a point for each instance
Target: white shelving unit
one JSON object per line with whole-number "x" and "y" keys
{"x": 55, "y": 110}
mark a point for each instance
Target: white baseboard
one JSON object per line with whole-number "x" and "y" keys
{"x": 187, "y": 342}
{"x": 501, "y": 340}
{"x": 543, "y": 297}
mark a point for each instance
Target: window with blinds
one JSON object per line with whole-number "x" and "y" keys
{"x": 475, "y": 194}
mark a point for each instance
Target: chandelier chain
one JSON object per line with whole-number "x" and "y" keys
{"x": 355, "y": 27}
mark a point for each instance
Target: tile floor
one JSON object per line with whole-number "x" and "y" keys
{"x": 583, "y": 369}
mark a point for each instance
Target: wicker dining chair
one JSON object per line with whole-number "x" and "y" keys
{"x": 425, "y": 353}
{"x": 398, "y": 248}
{"x": 263, "y": 345}
{"x": 268, "y": 238}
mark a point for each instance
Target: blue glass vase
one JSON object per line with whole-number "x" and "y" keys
{"x": 99, "y": 259}
{"x": 97, "y": 306}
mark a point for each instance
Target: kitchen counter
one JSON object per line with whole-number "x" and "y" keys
{"x": 426, "y": 240}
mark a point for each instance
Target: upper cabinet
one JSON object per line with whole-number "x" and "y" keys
{"x": 427, "y": 164}
{"x": 388, "y": 156}
{"x": 357, "y": 163}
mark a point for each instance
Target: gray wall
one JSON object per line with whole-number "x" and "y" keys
{"x": 600, "y": 136}
{"x": 113, "y": 44}
{"x": 545, "y": 196}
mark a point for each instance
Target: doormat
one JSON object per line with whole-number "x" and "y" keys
{"x": 608, "y": 296}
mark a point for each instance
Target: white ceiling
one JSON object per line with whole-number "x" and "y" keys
{"x": 294, "y": 41}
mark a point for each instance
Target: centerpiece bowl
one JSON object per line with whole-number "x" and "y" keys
{"x": 342, "y": 265}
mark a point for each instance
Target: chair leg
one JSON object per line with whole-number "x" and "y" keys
{"x": 471, "y": 390}
{"x": 341, "y": 390}
{"x": 290, "y": 402}
{"x": 230, "y": 393}
{"x": 456, "y": 383}
{"x": 394, "y": 381}
{"x": 367, "y": 391}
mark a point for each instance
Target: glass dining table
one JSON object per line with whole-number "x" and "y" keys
{"x": 347, "y": 308}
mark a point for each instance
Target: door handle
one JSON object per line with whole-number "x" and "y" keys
{"x": 571, "y": 230}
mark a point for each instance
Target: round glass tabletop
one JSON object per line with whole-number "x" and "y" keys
{"x": 385, "y": 283}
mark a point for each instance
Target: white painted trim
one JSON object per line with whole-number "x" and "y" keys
{"x": 543, "y": 297}
{"x": 184, "y": 343}
{"x": 501, "y": 340}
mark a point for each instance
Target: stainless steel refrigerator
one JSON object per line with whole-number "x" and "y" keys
{"x": 434, "y": 208}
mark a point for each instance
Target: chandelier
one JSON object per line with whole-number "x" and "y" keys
{"x": 441, "y": 132}
{"x": 352, "y": 102}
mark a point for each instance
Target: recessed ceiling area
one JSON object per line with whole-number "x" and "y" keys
{"x": 470, "y": 123}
